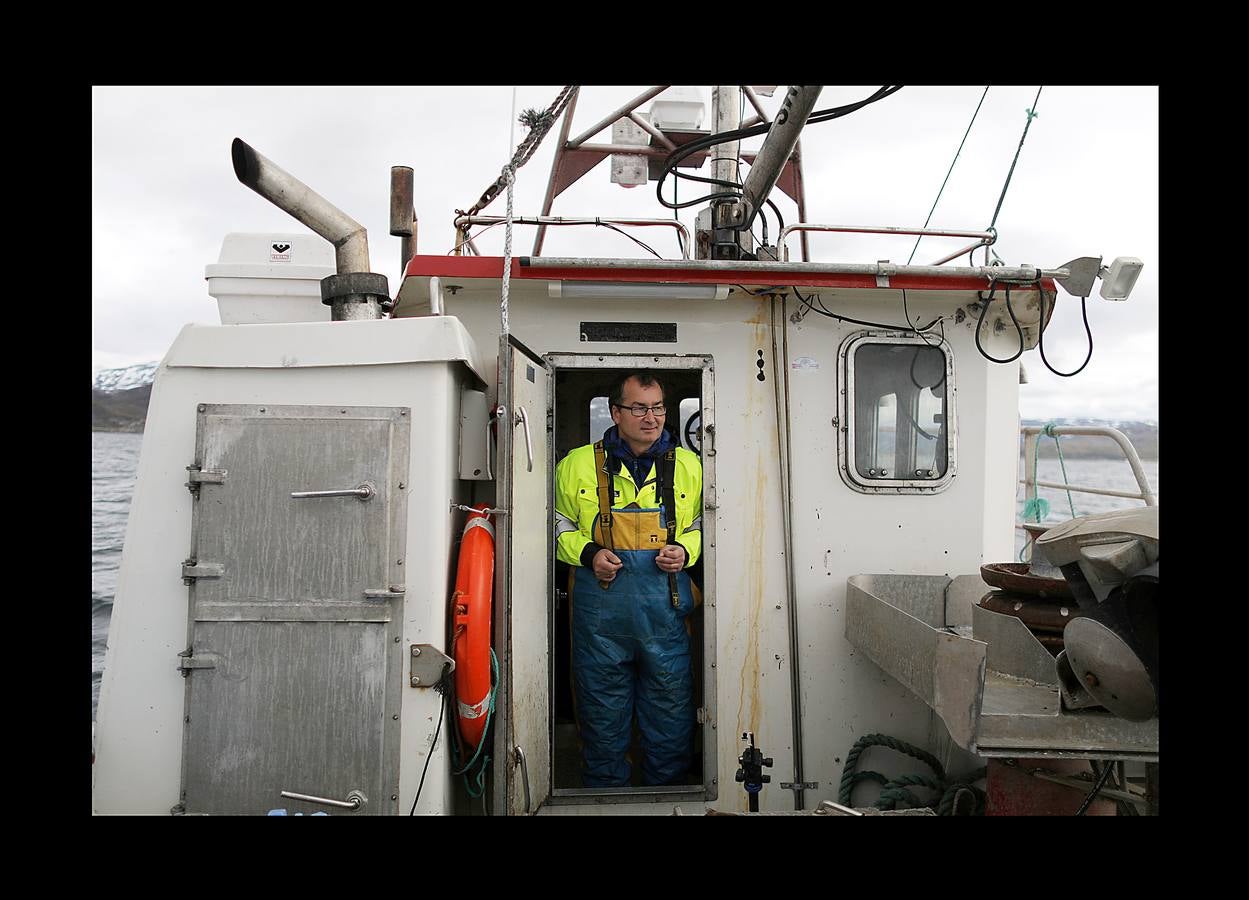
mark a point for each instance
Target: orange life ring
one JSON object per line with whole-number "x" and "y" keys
{"x": 474, "y": 585}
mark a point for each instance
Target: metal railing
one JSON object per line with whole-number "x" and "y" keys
{"x": 982, "y": 238}
{"x": 462, "y": 223}
{"x": 1032, "y": 435}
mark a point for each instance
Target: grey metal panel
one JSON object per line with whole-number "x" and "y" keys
{"x": 277, "y": 547}
{"x": 1013, "y": 649}
{"x": 305, "y": 678}
{"x": 1022, "y": 718}
{"x": 964, "y": 593}
{"x": 897, "y": 620}
{"x": 295, "y": 706}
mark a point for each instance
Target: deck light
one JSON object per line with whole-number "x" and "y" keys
{"x": 1120, "y": 278}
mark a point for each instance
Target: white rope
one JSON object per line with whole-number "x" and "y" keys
{"x": 510, "y": 174}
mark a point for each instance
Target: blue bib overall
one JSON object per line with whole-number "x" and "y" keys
{"x": 631, "y": 653}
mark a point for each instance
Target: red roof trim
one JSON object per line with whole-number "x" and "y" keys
{"x": 492, "y": 267}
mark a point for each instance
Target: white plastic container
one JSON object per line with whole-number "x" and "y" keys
{"x": 267, "y": 278}
{"x": 678, "y": 109}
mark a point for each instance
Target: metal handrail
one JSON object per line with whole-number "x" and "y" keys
{"x": 1032, "y": 433}
{"x": 463, "y": 222}
{"x": 983, "y": 238}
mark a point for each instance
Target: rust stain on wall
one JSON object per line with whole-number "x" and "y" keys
{"x": 753, "y": 599}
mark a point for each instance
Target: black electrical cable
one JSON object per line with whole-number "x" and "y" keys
{"x": 1041, "y": 340}
{"x": 906, "y": 312}
{"x": 724, "y": 137}
{"x": 984, "y": 310}
{"x": 641, "y": 244}
{"x": 440, "y": 687}
{"x": 915, "y": 359}
{"x": 1101, "y": 782}
{"x": 824, "y": 311}
{"x": 780, "y": 221}
{"x": 917, "y": 426}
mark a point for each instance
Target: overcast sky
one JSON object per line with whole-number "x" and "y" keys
{"x": 1086, "y": 184}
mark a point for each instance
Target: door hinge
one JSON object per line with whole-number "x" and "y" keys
{"x": 396, "y": 592}
{"x": 193, "y": 569}
{"x": 187, "y": 661}
{"x": 197, "y": 476}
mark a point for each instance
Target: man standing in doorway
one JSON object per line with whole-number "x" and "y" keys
{"x": 629, "y": 519}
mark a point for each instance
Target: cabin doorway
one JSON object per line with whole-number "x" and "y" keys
{"x": 582, "y": 383}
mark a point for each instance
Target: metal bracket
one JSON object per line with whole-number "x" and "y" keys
{"x": 187, "y": 662}
{"x": 490, "y": 511}
{"x": 197, "y": 476}
{"x": 883, "y": 271}
{"x": 193, "y": 569}
{"x": 800, "y": 785}
{"x": 396, "y": 592}
{"x": 427, "y": 665}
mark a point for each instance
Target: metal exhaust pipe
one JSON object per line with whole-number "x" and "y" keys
{"x": 354, "y": 292}
{"x": 403, "y": 213}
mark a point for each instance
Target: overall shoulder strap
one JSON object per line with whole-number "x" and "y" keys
{"x": 604, "y": 494}
{"x": 667, "y": 484}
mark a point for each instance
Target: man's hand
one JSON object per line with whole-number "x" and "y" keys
{"x": 605, "y": 565}
{"x": 671, "y": 558}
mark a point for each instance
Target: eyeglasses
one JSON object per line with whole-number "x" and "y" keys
{"x": 639, "y": 411}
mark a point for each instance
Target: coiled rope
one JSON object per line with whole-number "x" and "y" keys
{"x": 895, "y": 791}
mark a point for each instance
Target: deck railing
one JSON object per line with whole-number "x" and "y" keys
{"x": 1032, "y": 435}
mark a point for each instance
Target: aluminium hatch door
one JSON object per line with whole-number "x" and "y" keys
{"x": 522, "y": 773}
{"x": 294, "y": 671}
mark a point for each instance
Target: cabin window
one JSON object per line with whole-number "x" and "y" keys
{"x": 897, "y": 409}
{"x": 600, "y": 418}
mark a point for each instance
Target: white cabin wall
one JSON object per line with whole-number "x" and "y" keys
{"x": 139, "y": 729}
{"x": 839, "y": 532}
{"x": 1001, "y": 459}
{"x": 139, "y": 718}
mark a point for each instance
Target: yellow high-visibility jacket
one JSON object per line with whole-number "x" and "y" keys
{"x": 576, "y": 503}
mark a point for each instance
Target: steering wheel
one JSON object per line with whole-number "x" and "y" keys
{"x": 693, "y": 439}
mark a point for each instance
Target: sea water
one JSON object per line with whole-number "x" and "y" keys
{"x": 114, "y": 463}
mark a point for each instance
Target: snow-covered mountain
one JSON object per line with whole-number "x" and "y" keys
{"x": 130, "y": 377}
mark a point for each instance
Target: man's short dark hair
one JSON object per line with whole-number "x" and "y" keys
{"x": 645, "y": 379}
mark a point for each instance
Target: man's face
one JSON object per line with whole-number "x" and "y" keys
{"x": 639, "y": 431}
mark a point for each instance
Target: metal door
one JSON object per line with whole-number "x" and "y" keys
{"x": 293, "y": 669}
{"x": 523, "y": 582}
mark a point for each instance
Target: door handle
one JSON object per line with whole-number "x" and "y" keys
{"x": 364, "y": 492}
{"x": 522, "y": 417}
{"x": 355, "y": 800}
{"x": 524, "y": 772}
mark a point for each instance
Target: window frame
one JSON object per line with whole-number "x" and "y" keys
{"x": 846, "y": 425}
